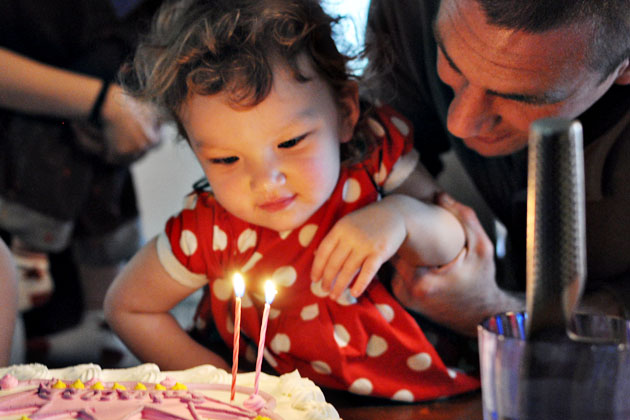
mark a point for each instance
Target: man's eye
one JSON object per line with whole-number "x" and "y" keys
{"x": 224, "y": 161}
{"x": 291, "y": 143}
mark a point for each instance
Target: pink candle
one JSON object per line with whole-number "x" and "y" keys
{"x": 239, "y": 290}
{"x": 270, "y": 293}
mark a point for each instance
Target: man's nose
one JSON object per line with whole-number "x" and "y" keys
{"x": 471, "y": 114}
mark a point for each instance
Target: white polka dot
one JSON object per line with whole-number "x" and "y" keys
{"x": 386, "y": 311}
{"x": 376, "y": 127}
{"x": 250, "y": 354}
{"x": 306, "y": 234}
{"x": 188, "y": 242}
{"x": 309, "y": 312}
{"x": 342, "y": 336}
{"x": 316, "y": 289}
{"x": 361, "y": 386}
{"x": 378, "y": 103}
{"x": 280, "y": 343}
{"x": 284, "y": 234}
{"x": 246, "y": 301}
{"x": 376, "y": 346}
{"x": 200, "y": 323}
{"x": 222, "y": 289}
{"x": 419, "y": 362}
{"x": 351, "y": 190}
{"x": 274, "y": 313}
{"x": 269, "y": 358}
{"x": 285, "y": 276}
{"x": 219, "y": 239}
{"x": 229, "y": 324}
{"x": 321, "y": 367}
{"x": 247, "y": 239}
{"x": 256, "y": 256}
{"x": 346, "y": 298}
{"x": 400, "y": 125}
{"x": 452, "y": 373}
{"x": 403, "y": 395}
{"x": 381, "y": 175}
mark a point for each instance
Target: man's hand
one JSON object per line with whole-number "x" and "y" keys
{"x": 462, "y": 293}
{"x": 358, "y": 245}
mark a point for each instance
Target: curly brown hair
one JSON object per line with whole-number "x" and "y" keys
{"x": 210, "y": 46}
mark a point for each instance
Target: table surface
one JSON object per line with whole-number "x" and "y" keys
{"x": 350, "y": 407}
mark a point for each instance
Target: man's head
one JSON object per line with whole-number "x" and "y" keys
{"x": 512, "y": 62}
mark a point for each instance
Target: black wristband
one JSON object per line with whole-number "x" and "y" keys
{"x": 95, "y": 113}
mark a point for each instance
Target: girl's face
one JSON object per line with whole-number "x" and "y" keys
{"x": 276, "y": 163}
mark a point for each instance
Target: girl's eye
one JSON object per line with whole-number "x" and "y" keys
{"x": 291, "y": 143}
{"x": 224, "y": 161}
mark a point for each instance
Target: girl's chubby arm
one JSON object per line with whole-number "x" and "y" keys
{"x": 435, "y": 236}
{"x": 401, "y": 223}
{"x": 137, "y": 307}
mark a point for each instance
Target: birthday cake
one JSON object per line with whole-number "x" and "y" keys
{"x": 88, "y": 392}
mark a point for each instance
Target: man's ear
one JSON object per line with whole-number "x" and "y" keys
{"x": 350, "y": 110}
{"x": 623, "y": 77}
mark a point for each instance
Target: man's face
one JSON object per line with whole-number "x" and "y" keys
{"x": 504, "y": 79}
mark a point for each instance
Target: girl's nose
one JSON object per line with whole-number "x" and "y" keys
{"x": 470, "y": 114}
{"x": 267, "y": 176}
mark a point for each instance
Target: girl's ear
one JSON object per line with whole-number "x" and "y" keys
{"x": 623, "y": 77}
{"x": 350, "y": 110}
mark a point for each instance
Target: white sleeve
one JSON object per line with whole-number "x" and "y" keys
{"x": 176, "y": 270}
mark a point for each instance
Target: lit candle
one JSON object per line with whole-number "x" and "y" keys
{"x": 239, "y": 290}
{"x": 270, "y": 293}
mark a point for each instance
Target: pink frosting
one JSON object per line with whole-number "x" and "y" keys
{"x": 255, "y": 403}
{"x": 168, "y": 382}
{"x": 8, "y": 381}
{"x": 109, "y": 404}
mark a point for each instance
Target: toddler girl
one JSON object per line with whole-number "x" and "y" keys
{"x": 308, "y": 187}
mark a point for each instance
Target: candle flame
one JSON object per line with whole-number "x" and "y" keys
{"x": 270, "y": 291}
{"x": 239, "y": 284}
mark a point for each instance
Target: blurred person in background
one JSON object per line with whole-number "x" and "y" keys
{"x": 68, "y": 135}
{"x": 8, "y": 302}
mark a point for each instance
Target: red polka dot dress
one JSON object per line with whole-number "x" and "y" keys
{"x": 369, "y": 345}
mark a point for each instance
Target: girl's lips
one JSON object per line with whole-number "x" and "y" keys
{"x": 277, "y": 205}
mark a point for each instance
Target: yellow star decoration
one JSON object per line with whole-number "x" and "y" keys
{"x": 59, "y": 384}
{"x": 140, "y": 387}
{"x": 78, "y": 384}
{"x": 179, "y": 387}
{"x": 98, "y": 386}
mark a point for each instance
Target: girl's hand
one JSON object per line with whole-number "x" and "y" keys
{"x": 357, "y": 246}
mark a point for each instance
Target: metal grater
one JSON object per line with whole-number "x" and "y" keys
{"x": 556, "y": 238}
